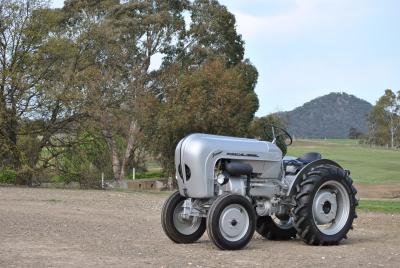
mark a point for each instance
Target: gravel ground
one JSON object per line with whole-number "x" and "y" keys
{"x": 72, "y": 228}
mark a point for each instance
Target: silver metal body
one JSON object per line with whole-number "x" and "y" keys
{"x": 197, "y": 157}
{"x": 212, "y": 170}
{"x": 200, "y": 175}
{"x": 200, "y": 153}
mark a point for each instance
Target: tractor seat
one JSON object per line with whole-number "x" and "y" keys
{"x": 309, "y": 157}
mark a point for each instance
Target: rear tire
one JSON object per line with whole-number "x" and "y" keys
{"x": 180, "y": 230}
{"x": 231, "y": 222}
{"x": 325, "y": 206}
{"x": 276, "y": 229}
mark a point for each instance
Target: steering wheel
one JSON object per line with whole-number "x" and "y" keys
{"x": 278, "y": 132}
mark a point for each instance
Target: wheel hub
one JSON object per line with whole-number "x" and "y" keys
{"x": 234, "y": 222}
{"x": 185, "y": 225}
{"x": 325, "y": 207}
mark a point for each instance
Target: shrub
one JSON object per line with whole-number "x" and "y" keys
{"x": 58, "y": 179}
{"x": 8, "y": 176}
{"x": 84, "y": 162}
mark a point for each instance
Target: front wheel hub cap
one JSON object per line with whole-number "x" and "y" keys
{"x": 234, "y": 222}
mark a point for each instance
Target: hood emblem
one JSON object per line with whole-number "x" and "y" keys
{"x": 216, "y": 153}
{"x": 242, "y": 154}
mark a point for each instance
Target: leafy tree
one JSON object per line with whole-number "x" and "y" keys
{"x": 121, "y": 71}
{"x": 354, "y": 133}
{"x": 259, "y": 129}
{"x": 20, "y": 37}
{"x": 212, "y": 99}
{"x": 46, "y": 78}
{"x": 385, "y": 119}
{"x": 204, "y": 84}
{"x": 123, "y": 39}
{"x": 212, "y": 33}
{"x": 31, "y": 52}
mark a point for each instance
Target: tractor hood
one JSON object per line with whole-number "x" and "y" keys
{"x": 197, "y": 154}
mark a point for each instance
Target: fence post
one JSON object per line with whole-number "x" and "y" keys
{"x": 133, "y": 173}
{"x": 102, "y": 180}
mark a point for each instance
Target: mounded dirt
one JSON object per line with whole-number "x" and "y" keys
{"x": 72, "y": 228}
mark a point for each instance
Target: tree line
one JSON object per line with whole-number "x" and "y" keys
{"x": 79, "y": 95}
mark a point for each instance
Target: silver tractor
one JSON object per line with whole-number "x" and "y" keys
{"x": 235, "y": 186}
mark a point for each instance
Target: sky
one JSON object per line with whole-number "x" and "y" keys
{"x": 304, "y": 49}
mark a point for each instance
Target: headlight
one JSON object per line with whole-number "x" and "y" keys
{"x": 222, "y": 179}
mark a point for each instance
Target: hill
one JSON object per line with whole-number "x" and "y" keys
{"x": 329, "y": 116}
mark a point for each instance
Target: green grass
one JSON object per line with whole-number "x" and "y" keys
{"x": 150, "y": 175}
{"x": 8, "y": 176}
{"x": 338, "y": 141}
{"x": 386, "y": 206}
{"x": 154, "y": 171}
{"x": 367, "y": 165}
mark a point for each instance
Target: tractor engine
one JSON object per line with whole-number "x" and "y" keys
{"x": 238, "y": 177}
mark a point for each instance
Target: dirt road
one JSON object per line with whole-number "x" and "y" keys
{"x": 67, "y": 228}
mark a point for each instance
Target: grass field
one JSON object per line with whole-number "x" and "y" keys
{"x": 367, "y": 165}
{"x": 386, "y": 206}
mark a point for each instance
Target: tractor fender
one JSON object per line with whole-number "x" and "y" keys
{"x": 306, "y": 169}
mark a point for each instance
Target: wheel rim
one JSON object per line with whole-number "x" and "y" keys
{"x": 283, "y": 223}
{"x": 186, "y": 226}
{"x": 234, "y": 222}
{"x": 331, "y": 207}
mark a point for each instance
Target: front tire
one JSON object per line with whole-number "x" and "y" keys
{"x": 231, "y": 222}
{"x": 178, "y": 229}
{"x": 325, "y": 206}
